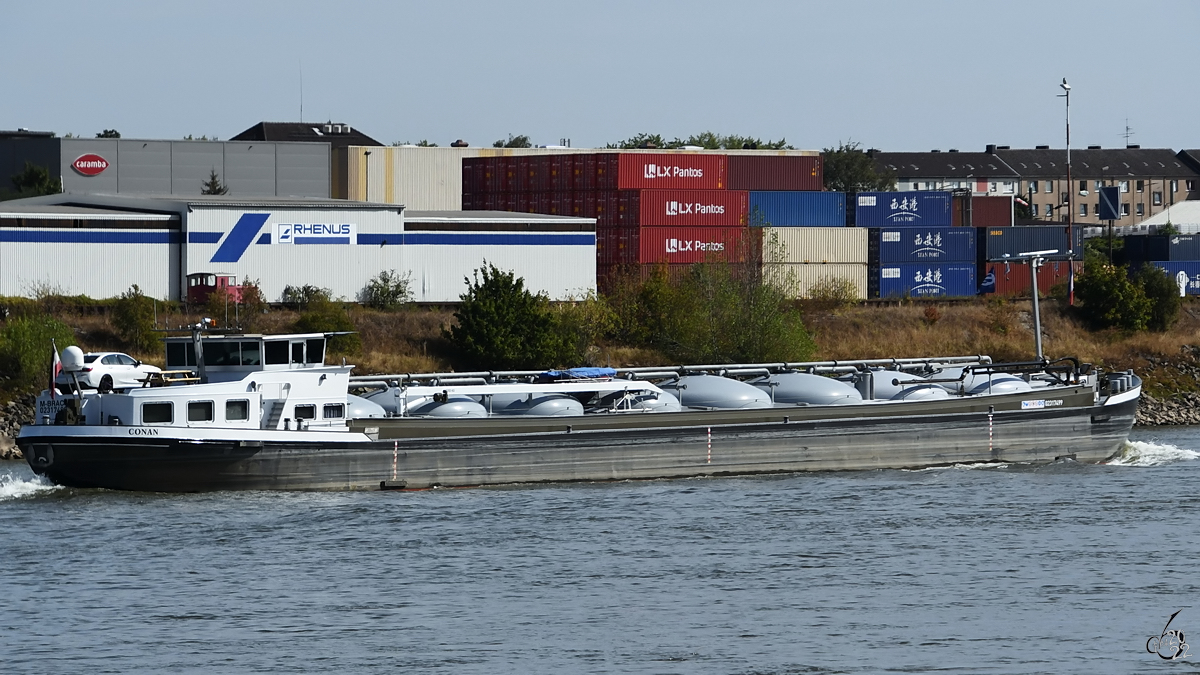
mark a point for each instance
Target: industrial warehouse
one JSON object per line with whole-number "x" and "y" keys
{"x": 567, "y": 220}
{"x": 101, "y": 245}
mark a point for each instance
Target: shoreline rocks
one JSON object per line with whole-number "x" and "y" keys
{"x": 1180, "y": 409}
{"x": 12, "y": 415}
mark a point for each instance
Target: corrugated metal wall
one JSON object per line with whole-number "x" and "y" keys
{"x": 815, "y": 245}
{"x": 799, "y": 279}
{"x": 98, "y": 263}
{"x": 248, "y": 169}
{"x": 252, "y": 244}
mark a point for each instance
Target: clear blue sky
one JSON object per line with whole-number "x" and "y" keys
{"x": 892, "y": 75}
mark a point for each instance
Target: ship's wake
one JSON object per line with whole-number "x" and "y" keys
{"x": 1149, "y": 453}
{"x": 13, "y": 486}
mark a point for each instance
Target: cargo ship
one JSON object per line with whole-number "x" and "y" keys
{"x": 265, "y": 412}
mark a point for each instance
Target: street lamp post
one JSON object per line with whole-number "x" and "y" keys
{"x": 1070, "y": 185}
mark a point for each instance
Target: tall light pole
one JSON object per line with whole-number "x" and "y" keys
{"x": 1070, "y": 185}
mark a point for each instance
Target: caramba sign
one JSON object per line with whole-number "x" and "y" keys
{"x": 89, "y": 164}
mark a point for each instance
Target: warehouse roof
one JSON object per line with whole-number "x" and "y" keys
{"x": 1180, "y": 214}
{"x": 18, "y": 209}
{"x": 165, "y": 204}
{"x": 337, "y": 135}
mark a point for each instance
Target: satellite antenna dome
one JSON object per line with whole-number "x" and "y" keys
{"x": 72, "y": 359}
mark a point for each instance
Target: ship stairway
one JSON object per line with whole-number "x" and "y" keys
{"x": 275, "y": 414}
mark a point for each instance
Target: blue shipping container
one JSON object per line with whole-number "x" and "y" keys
{"x": 891, "y": 209}
{"x": 955, "y": 279}
{"x": 1141, "y": 248}
{"x": 996, "y": 242}
{"x": 920, "y": 244}
{"x": 1186, "y": 275}
{"x": 798, "y": 209}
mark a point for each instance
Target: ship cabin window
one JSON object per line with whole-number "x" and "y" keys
{"x": 237, "y": 411}
{"x": 251, "y": 356}
{"x": 334, "y": 411}
{"x": 306, "y": 412}
{"x": 276, "y": 352}
{"x": 158, "y": 413}
{"x": 315, "y": 352}
{"x": 200, "y": 411}
{"x": 221, "y": 354}
{"x": 298, "y": 353}
{"x": 180, "y": 355}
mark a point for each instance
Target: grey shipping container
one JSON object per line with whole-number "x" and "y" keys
{"x": 996, "y": 242}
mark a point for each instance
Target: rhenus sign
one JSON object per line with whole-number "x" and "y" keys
{"x": 314, "y": 233}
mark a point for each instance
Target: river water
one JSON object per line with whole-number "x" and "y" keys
{"x": 983, "y": 569}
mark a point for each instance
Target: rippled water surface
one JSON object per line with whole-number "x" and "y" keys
{"x": 992, "y": 569}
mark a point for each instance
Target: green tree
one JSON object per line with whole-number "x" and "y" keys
{"x": 253, "y": 306}
{"x": 213, "y": 186}
{"x": 300, "y": 297}
{"x": 639, "y": 141}
{"x": 1022, "y": 210}
{"x": 423, "y": 143}
{"x": 513, "y": 142}
{"x": 25, "y": 350}
{"x": 501, "y": 325}
{"x": 849, "y": 169}
{"x": 109, "y": 133}
{"x": 326, "y": 316}
{"x": 133, "y": 317}
{"x": 1163, "y": 295}
{"x": 34, "y": 181}
{"x": 1108, "y": 298}
{"x": 387, "y": 290}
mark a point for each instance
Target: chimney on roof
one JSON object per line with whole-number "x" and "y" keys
{"x": 952, "y": 150}
{"x": 1002, "y": 147}
{"x": 1133, "y": 146}
{"x": 1093, "y": 147}
{"x": 991, "y": 149}
{"x": 460, "y": 143}
{"x": 935, "y": 150}
{"x": 1042, "y": 147}
{"x": 871, "y": 152}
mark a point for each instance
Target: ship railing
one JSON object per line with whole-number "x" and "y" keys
{"x": 662, "y": 372}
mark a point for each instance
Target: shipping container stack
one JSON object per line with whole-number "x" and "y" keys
{"x": 1177, "y": 254}
{"x": 654, "y": 208}
{"x": 1013, "y": 278}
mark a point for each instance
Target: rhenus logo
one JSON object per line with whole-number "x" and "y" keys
{"x": 690, "y": 245}
{"x": 659, "y": 171}
{"x": 692, "y": 208}
{"x": 314, "y": 233}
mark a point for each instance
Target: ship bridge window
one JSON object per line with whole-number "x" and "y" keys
{"x": 306, "y": 412}
{"x": 237, "y": 411}
{"x": 250, "y": 354}
{"x": 298, "y": 352}
{"x": 333, "y": 411}
{"x": 222, "y": 354}
{"x": 200, "y": 411}
{"x": 315, "y": 351}
{"x": 180, "y": 355}
{"x": 276, "y": 352}
{"x": 158, "y": 413}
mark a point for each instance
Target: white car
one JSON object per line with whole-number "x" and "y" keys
{"x": 107, "y": 371}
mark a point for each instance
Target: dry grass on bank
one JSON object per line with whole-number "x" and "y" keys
{"x": 1004, "y": 330}
{"x": 410, "y": 341}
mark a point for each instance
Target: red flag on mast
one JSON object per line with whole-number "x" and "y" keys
{"x": 55, "y": 369}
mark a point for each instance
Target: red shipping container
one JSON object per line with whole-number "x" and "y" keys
{"x": 693, "y": 208}
{"x": 607, "y": 205}
{"x": 468, "y": 201}
{"x": 469, "y": 174}
{"x": 697, "y": 244}
{"x": 560, "y": 172}
{"x": 605, "y": 169}
{"x": 583, "y": 172}
{"x": 775, "y": 172}
{"x": 488, "y": 178}
{"x": 1012, "y": 279}
{"x": 508, "y": 201}
{"x": 644, "y": 170}
{"x": 989, "y": 211}
{"x": 583, "y": 204}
